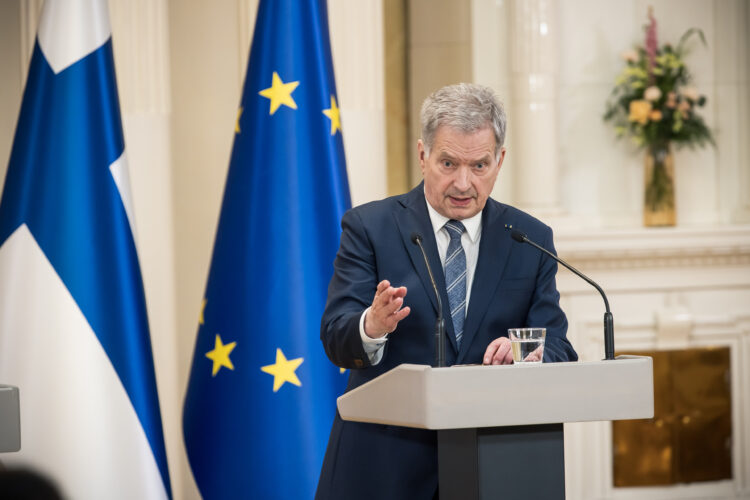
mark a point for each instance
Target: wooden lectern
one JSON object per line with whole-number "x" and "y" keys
{"x": 500, "y": 428}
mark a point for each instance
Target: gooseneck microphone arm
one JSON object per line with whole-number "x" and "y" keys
{"x": 439, "y": 321}
{"x": 609, "y": 329}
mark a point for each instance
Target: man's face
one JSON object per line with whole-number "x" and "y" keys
{"x": 460, "y": 172}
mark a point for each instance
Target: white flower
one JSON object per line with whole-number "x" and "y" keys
{"x": 690, "y": 92}
{"x": 652, "y": 93}
{"x": 630, "y": 55}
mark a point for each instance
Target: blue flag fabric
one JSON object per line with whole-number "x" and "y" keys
{"x": 261, "y": 394}
{"x": 64, "y": 209}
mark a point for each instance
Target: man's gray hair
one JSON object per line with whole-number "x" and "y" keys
{"x": 466, "y": 107}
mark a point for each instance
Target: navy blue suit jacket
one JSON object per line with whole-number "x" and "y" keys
{"x": 514, "y": 286}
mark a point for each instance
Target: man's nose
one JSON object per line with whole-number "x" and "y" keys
{"x": 462, "y": 178}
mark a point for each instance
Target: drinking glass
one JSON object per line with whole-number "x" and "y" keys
{"x": 527, "y": 344}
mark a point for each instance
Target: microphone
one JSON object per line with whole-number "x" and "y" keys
{"x": 416, "y": 238}
{"x": 609, "y": 329}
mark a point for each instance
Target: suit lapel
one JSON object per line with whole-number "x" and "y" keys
{"x": 494, "y": 250}
{"x": 413, "y": 217}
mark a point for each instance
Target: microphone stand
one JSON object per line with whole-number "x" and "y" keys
{"x": 609, "y": 329}
{"x": 439, "y": 321}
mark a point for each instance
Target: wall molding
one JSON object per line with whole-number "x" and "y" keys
{"x": 670, "y": 288}
{"x": 656, "y": 247}
{"x": 730, "y": 330}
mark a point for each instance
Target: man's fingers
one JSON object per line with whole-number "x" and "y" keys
{"x": 389, "y": 293}
{"x": 508, "y": 355}
{"x": 391, "y": 321}
{"x": 498, "y": 352}
{"x": 535, "y": 355}
{"x": 394, "y": 318}
{"x": 401, "y": 314}
{"x": 489, "y": 353}
{"x": 392, "y": 306}
{"x": 503, "y": 355}
{"x": 386, "y": 310}
{"x": 382, "y": 286}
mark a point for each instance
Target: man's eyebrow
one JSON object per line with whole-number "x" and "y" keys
{"x": 442, "y": 154}
{"x": 485, "y": 158}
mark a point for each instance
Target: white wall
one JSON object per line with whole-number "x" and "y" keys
{"x": 180, "y": 68}
{"x": 601, "y": 178}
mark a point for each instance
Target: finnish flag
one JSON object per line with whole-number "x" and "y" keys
{"x": 74, "y": 332}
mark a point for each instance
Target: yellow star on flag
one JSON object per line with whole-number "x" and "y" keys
{"x": 333, "y": 114}
{"x": 237, "y": 122}
{"x": 283, "y": 370}
{"x": 280, "y": 93}
{"x": 220, "y": 355}
{"x": 203, "y": 308}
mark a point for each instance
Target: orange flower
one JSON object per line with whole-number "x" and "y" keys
{"x": 639, "y": 111}
{"x": 654, "y": 115}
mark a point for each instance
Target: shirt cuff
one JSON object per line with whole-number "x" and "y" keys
{"x": 373, "y": 347}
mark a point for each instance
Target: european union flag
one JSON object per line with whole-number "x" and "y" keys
{"x": 261, "y": 395}
{"x": 74, "y": 334}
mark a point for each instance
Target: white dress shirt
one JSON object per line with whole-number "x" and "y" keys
{"x": 469, "y": 240}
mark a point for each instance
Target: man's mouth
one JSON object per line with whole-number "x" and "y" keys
{"x": 460, "y": 201}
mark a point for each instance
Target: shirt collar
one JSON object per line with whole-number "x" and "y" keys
{"x": 472, "y": 224}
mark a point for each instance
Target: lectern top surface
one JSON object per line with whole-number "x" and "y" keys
{"x": 487, "y": 396}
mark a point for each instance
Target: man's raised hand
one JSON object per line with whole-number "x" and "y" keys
{"x": 385, "y": 311}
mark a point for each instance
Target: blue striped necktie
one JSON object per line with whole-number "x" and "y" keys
{"x": 455, "y": 277}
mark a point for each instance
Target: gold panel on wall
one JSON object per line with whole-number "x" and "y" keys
{"x": 398, "y": 147}
{"x": 689, "y": 438}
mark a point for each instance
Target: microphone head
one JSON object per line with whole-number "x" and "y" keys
{"x": 518, "y": 236}
{"x": 416, "y": 238}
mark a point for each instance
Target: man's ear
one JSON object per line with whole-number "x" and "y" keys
{"x": 422, "y": 154}
{"x": 502, "y": 157}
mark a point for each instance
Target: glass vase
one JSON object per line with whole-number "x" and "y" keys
{"x": 659, "y": 205}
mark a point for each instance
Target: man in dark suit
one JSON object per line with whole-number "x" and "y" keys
{"x": 381, "y": 306}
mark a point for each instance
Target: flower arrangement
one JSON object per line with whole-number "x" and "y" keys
{"x": 653, "y": 101}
